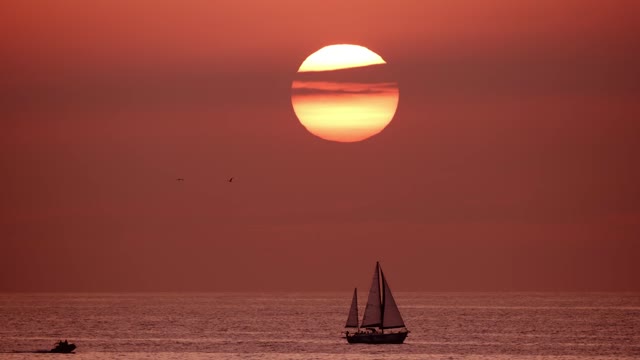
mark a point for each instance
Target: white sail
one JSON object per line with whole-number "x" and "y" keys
{"x": 391, "y": 315}
{"x": 373, "y": 311}
{"x": 352, "y": 320}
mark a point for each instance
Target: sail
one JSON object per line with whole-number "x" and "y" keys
{"x": 372, "y": 312}
{"x": 392, "y": 318}
{"x": 352, "y": 320}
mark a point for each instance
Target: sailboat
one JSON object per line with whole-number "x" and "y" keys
{"x": 380, "y": 314}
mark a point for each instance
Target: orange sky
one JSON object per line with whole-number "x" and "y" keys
{"x": 511, "y": 163}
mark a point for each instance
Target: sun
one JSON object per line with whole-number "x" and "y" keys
{"x": 344, "y": 93}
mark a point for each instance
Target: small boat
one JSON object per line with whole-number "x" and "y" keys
{"x": 380, "y": 314}
{"x": 63, "y": 347}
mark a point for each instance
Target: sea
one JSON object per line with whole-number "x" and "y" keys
{"x": 309, "y": 326}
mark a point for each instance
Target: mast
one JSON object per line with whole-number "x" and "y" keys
{"x": 384, "y": 290}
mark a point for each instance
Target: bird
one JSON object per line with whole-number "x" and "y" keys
{"x": 231, "y": 179}
{"x": 179, "y": 179}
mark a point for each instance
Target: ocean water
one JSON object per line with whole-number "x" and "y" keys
{"x": 309, "y": 325}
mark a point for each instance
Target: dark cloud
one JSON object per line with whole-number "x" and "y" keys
{"x": 336, "y": 88}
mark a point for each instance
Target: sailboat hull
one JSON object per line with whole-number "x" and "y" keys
{"x": 365, "y": 338}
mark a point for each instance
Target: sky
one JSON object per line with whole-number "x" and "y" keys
{"x": 510, "y": 165}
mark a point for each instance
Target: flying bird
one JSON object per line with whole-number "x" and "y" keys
{"x": 231, "y": 179}
{"x": 179, "y": 179}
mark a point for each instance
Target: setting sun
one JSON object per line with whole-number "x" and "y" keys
{"x": 344, "y": 93}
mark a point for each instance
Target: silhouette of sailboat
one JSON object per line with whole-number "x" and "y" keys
{"x": 63, "y": 347}
{"x": 380, "y": 314}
